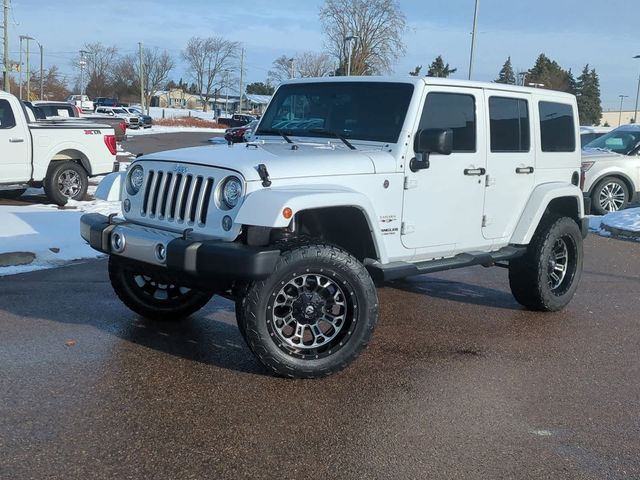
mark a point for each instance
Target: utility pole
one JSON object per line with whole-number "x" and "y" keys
{"x": 292, "y": 62}
{"x": 226, "y": 89}
{"x": 350, "y": 39}
{"x": 241, "y": 78}
{"x": 141, "y": 78}
{"x": 5, "y": 74}
{"x": 28, "y": 73}
{"x": 20, "y": 70}
{"x": 41, "y": 72}
{"x": 27, "y": 38}
{"x": 83, "y": 63}
{"x": 473, "y": 37}
{"x": 635, "y": 115}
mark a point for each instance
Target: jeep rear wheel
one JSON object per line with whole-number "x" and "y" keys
{"x": 313, "y": 316}
{"x": 547, "y": 276}
{"x": 153, "y": 298}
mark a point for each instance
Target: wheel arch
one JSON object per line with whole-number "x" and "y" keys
{"x": 558, "y": 198}
{"x": 340, "y": 216}
{"x": 620, "y": 176}
{"x": 71, "y": 155}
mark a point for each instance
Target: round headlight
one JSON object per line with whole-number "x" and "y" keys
{"x": 136, "y": 179}
{"x": 231, "y": 191}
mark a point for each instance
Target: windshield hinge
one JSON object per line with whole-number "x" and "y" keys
{"x": 410, "y": 183}
{"x": 489, "y": 181}
{"x": 407, "y": 228}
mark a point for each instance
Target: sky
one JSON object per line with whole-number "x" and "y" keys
{"x": 573, "y": 32}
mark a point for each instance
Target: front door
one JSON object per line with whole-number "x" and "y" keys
{"x": 510, "y": 163}
{"x": 442, "y": 212}
{"x": 14, "y": 147}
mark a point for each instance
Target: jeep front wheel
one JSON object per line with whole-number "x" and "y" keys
{"x": 151, "y": 297}
{"x": 546, "y": 277}
{"x": 313, "y": 316}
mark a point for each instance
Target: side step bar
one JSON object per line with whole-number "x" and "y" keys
{"x": 393, "y": 271}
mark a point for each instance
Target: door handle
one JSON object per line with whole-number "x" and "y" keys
{"x": 16, "y": 140}
{"x": 474, "y": 171}
{"x": 524, "y": 170}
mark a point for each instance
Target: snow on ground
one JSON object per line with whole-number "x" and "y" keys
{"x": 162, "y": 129}
{"x": 595, "y": 226}
{"x": 157, "y": 112}
{"x": 51, "y": 233}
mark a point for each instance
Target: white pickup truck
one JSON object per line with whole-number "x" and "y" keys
{"x": 57, "y": 156}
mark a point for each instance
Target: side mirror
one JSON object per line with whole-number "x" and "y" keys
{"x": 434, "y": 140}
{"x": 427, "y": 141}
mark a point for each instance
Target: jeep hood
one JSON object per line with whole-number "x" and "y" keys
{"x": 282, "y": 160}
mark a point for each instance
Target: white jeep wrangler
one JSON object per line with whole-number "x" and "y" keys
{"x": 347, "y": 183}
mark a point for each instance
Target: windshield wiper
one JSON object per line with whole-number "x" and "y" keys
{"x": 324, "y": 131}
{"x": 274, "y": 131}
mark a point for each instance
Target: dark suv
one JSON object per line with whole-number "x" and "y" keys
{"x": 105, "y": 102}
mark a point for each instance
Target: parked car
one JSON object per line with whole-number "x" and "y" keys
{"x": 588, "y": 134}
{"x": 239, "y": 134}
{"x": 132, "y": 120}
{"x": 105, "y": 102}
{"x": 298, "y": 228}
{"x": 57, "y": 156}
{"x": 237, "y": 120}
{"x": 82, "y": 102}
{"x": 58, "y": 109}
{"x": 145, "y": 120}
{"x": 611, "y": 169}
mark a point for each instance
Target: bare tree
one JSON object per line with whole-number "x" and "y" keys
{"x": 208, "y": 58}
{"x": 99, "y": 68}
{"x": 378, "y": 26}
{"x": 282, "y": 68}
{"x": 156, "y": 68}
{"x": 306, "y": 64}
{"x": 312, "y": 64}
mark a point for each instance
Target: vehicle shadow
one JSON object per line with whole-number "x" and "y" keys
{"x": 210, "y": 336}
{"x": 457, "y": 292}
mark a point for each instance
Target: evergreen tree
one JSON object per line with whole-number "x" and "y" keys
{"x": 588, "y": 92}
{"x": 572, "y": 85}
{"x": 260, "y": 88}
{"x": 550, "y": 74}
{"x": 416, "y": 71}
{"x": 439, "y": 69}
{"x": 507, "y": 75}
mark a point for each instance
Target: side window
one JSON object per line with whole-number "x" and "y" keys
{"x": 7, "y": 120}
{"x": 453, "y": 111}
{"x": 509, "y": 124}
{"x": 557, "y": 130}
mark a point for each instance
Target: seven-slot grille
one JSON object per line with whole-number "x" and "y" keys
{"x": 177, "y": 197}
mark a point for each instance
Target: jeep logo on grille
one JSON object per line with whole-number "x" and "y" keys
{"x": 179, "y": 169}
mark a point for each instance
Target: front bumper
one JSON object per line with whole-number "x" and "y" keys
{"x": 198, "y": 259}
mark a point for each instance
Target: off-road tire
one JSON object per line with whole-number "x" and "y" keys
{"x": 52, "y": 188}
{"x": 257, "y": 312}
{"x": 123, "y": 281}
{"x": 608, "y": 182}
{"x": 530, "y": 275}
{"x": 12, "y": 194}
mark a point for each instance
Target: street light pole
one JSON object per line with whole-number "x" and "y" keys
{"x": 20, "y": 71}
{"x": 41, "y": 71}
{"x": 83, "y": 63}
{"x": 350, "y": 39}
{"x": 5, "y": 74}
{"x": 635, "y": 115}
{"x": 473, "y": 37}
{"x": 622, "y": 97}
{"x": 27, "y": 38}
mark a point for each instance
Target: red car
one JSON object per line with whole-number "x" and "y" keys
{"x": 237, "y": 134}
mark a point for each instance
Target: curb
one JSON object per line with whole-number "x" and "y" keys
{"x": 13, "y": 259}
{"x": 621, "y": 232}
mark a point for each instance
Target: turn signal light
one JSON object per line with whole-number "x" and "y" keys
{"x": 287, "y": 213}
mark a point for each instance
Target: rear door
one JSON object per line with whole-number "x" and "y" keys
{"x": 511, "y": 162}
{"x": 15, "y": 161}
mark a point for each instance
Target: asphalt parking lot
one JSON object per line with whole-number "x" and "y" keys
{"x": 459, "y": 382}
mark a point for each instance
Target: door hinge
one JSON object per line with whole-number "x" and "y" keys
{"x": 489, "y": 181}
{"x": 410, "y": 183}
{"x": 407, "y": 228}
{"x": 486, "y": 221}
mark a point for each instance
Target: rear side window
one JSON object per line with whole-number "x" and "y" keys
{"x": 7, "y": 120}
{"x": 557, "y": 130}
{"x": 509, "y": 127}
{"x": 453, "y": 111}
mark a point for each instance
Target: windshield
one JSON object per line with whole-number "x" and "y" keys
{"x": 372, "y": 111}
{"x": 618, "y": 141}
